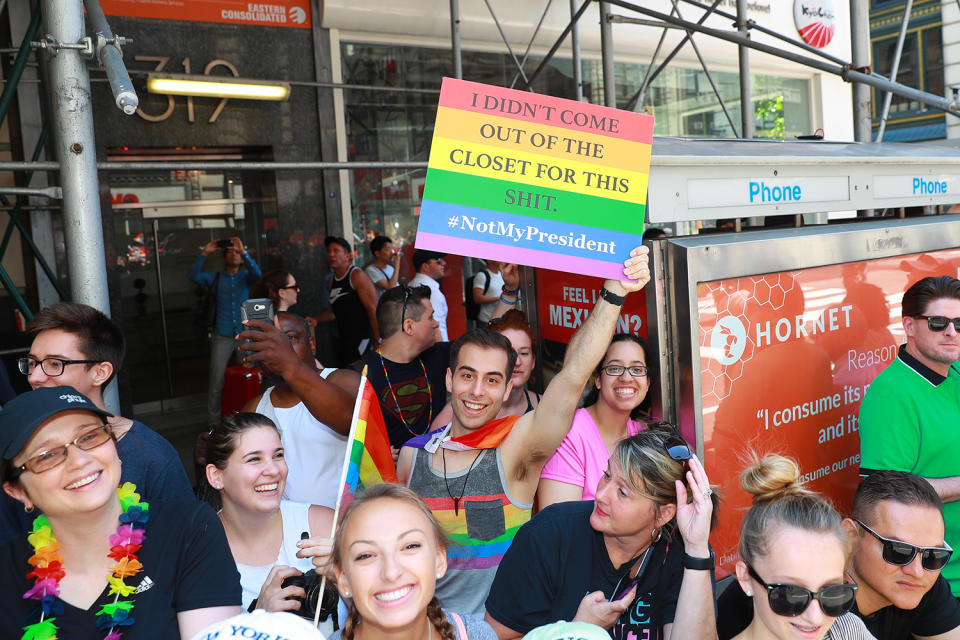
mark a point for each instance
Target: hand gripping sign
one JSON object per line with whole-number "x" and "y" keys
{"x": 541, "y": 181}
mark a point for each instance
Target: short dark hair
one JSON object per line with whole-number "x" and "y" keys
{"x": 390, "y": 307}
{"x": 922, "y": 292}
{"x": 423, "y": 256}
{"x": 98, "y": 337}
{"x": 897, "y": 486}
{"x": 297, "y": 318}
{"x": 377, "y": 243}
{"x": 486, "y": 339}
{"x": 337, "y": 240}
{"x": 640, "y": 411}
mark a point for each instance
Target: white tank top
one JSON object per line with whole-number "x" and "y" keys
{"x": 296, "y": 520}
{"x": 314, "y": 452}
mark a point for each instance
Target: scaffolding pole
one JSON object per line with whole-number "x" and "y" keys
{"x": 455, "y": 38}
{"x": 865, "y": 76}
{"x": 746, "y": 95}
{"x": 860, "y": 59}
{"x": 575, "y": 50}
{"x": 606, "y": 53}
{"x": 111, "y": 59}
{"x": 76, "y": 153}
{"x": 894, "y": 69}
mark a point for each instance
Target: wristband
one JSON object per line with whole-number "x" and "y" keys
{"x": 698, "y": 564}
{"x": 509, "y": 292}
{"x": 611, "y": 297}
{"x": 509, "y": 302}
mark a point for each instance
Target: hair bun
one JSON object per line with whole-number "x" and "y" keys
{"x": 772, "y": 477}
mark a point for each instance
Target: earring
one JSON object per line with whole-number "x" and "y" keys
{"x": 28, "y": 508}
{"x": 439, "y": 575}
{"x": 749, "y": 594}
{"x": 346, "y": 594}
{"x": 655, "y": 535}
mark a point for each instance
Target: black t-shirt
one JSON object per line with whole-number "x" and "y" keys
{"x": 938, "y": 612}
{"x": 185, "y": 556}
{"x": 409, "y": 394}
{"x": 557, "y": 558}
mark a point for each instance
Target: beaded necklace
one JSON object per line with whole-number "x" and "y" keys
{"x": 397, "y": 401}
{"x": 48, "y": 570}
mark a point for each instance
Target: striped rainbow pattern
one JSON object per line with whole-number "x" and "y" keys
{"x": 522, "y": 177}
{"x": 466, "y": 552}
{"x": 371, "y": 461}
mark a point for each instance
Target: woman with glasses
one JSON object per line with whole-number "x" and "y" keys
{"x": 611, "y": 412}
{"x": 638, "y": 550}
{"x": 278, "y": 285}
{"x": 99, "y": 562}
{"x": 793, "y": 550}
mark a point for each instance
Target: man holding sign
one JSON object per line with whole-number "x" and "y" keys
{"x": 479, "y": 474}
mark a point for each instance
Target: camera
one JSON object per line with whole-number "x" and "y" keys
{"x": 310, "y": 583}
{"x": 224, "y": 243}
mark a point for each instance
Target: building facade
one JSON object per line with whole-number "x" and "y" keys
{"x": 392, "y": 57}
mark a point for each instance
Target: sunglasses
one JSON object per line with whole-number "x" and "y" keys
{"x": 291, "y": 286}
{"x": 901, "y": 553}
{"x": 677, "y": 448}
{"x": 423, "y": 291}
{"x": 790, "y": 600}
{"x": 939, "y": 323}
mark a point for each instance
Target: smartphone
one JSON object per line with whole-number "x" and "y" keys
{"x": 255, "y": 309}
{"x": 224, "y": 243}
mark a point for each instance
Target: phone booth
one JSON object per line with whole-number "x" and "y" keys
{"x": 765, "y": 341}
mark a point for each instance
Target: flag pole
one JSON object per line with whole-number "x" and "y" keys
{"x": 343, "y": 480}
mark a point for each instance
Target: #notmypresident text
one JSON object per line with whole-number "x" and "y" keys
{"x": 542, "y": 181}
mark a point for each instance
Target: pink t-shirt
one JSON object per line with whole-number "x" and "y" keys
{"x": 582, "y": 456}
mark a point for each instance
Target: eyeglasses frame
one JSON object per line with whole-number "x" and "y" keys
{"x": 917, "y": 549}
{"x": 954, "y": 321}
{"x": 810, "y": 594}
{"x": 64, "y": 362}
{"x": 19, "y": 471}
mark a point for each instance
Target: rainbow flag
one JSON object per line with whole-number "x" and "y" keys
{"x": 368, "y": 460}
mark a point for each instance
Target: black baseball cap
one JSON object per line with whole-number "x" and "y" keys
{"x": 329, "y": 240}
{"x": 22, "y": 415}
{"x": 423, "y": 256}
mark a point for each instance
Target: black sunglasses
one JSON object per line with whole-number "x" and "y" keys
{"x": 901, "y": 553}
{"x": 291, "y": 286}
{"x": 939, "y": 323}
{"x": 422, "y": 290}
{"x": 791, "y": 600}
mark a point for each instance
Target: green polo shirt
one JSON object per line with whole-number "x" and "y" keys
{"x": 910, "y": 421}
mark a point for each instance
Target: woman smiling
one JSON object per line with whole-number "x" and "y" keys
{"x": 389, "y": 553}
{"x": 99, "y": 562}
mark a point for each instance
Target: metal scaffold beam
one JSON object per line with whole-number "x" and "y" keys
{"x": 75, "y": 147}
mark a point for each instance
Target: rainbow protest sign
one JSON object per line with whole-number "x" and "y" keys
{"x": 542, "y": 181}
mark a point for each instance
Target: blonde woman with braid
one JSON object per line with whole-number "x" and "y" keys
{"x": 388, "y": 554}
{"x": 793, "y": 550}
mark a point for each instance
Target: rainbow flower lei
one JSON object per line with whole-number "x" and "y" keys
{"x": 48, "y": 569}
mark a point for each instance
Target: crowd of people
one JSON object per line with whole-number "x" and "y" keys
{"x": 514, "y": 510}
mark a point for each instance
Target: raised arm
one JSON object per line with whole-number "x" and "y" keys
{"x": 326, "y": 401}
{"x": 537, "y": 435}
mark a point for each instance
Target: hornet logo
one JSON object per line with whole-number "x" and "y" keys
{"x": 728, "y": 340}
